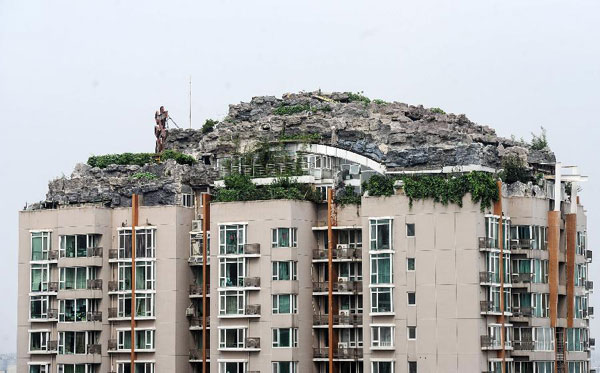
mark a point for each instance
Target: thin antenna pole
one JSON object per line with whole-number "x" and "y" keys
{"x": 190, "y": 101}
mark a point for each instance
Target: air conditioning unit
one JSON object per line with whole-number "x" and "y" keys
{"x": 343, "y": 279}
{"x": 354, "y": 169}
{"x": 342, "y": 246}
{"x": 344, "y": 312}
{"x": 342, "y": 344}
{"x": 196, "y": 225}
{"x": 189, "y": 311}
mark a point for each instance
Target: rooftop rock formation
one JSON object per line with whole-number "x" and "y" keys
{"x": 401, "y": 136}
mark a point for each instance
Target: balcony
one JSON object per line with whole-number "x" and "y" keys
{"x": 354, "y": 319}
{"x": 525, "y": 345}
{"x": 94, "y": 284}
{"x": 490, "y": 307}
{"x": 522, "y": 311}
{"x": 338, "y": 287}
{"x": 592, "y": 343}
{"x": 113, "y": 286}
{"x": 489, "y": 277}
{"x": 94, "y": 252}
{"x": 196, "y": 322}
{"x": 338, "y": 353}
{"x": 94, "y": 316}
{"x": 486, "y": 243}
{"x": 589, "y": 285}
{"x": 112, "y": 345}
{"x": 252, "y": 310}
{"x": 522, "y": 278}
{"x": 95, "y": 349}
{"x": 252, "y": 343}
{"x": 113, "y": 254}
{"x": 252, "y": 249}
{"x": 198, "y": 260}
{"x": 196, "y": 290}
{"x": 588, "y": 255}
{"x": 493, "y": 343}
{"x": 196, "y": 355}
{"x": 251, "y": 282}
{"x": 521, "y": 244}
{"x": 52, "y": 346}
{"x": 112, "y": 313}
{"x": 338, "y": 254}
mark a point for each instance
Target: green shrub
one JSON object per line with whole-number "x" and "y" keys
{"x": 379, "y": 185}
{"x": 358, "y": 96}
{"x": 514, "y": 169}
{"x": 347, "y": 196}
{"x": 539, "y": 142}
{"x": 137, "y": 159}
{"x": 209, "y": 126}
{"x": 380, "y": 102}
{"x": 444, "y": 189}
{"x": 437, "y": 110}
{"x": 240, "y": 188}
{"x": 146, "y": 176}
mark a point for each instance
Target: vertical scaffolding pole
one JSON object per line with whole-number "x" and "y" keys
{"x": 330, "y": 273}
{"x": 134, "y": 223}
{"x": 205, "y": 230}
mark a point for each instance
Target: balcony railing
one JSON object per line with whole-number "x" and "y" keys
{"x": 251, "y": 282}
{"x": 588, "y": 255}
{"x": 252, "y": 310}
{"x": 522, "y": 278}
{"x": 52, "y": 313}
{"x": 487, "y": 306}
{"x": 489, "y": 277}
{"x": 338, "y": 254}
{"x": 53, "y": 286}
{"x": 252, "y": 248}
{"x": 112, "y": 312}
{"x": 52, "y": 346}
{"x": 522, "y": 311}
{"x": 589, "y": 285}
{"x": 352, "y": 319}
{"x": 592, "y": 342}
{"x": 488, "y": 243}
{"x": 94, "y": 316}
{"x": 338, "y": 353}
{"x": 524, "y": 345}
{"x": 94, "y": 252}
{"x": 113, "y": 254}
{"x": 252, "y": 343}
{"x": 113, "y": 286}
{"x": 488, "y": 342}
{"x": 95, "y": 349}
{"x": 112, "y": 345}
{"x": 197, "y": 322}
{"x": 196, "y": 289}
{"x": 196, "y": 354}
{"x": 341, "y": 286}
{"x": 524, "y": 243}
{"x": 53, "y": 255}
{"x": 95, "y": 284}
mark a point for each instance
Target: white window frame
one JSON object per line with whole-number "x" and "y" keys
{"x": 90, "y": 274}
{"x": 240, "y": 263}
{"x": 293, "y": 270}
{"x": 293, "y": 366}
{"x": 150, "y": 306}
{"x": 45, "y": 305}
{"x": 293, "y": 304}
{"x": 375, "y": 291}
{"x": 376, "y": 341}
{"x": 292, "y": 233}
{"x": 373, "y": 235}
{"x": 46, "y": 236}
{"x": 45, "y": 277}
{"x": 45, "y": 339}
{"x": 149, "y": 251}
{"x": 149, "y": 339}
{"x": 240, "y": 337}
{"x": 375, "y": 259}
{"x": 241, "y": 231}
{"x": 375, "y": 365}
{"x": 239, "y": 294}
{"x": 293, "y": 337}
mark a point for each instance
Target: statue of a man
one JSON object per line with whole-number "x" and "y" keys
{"x": 160, "y": 129}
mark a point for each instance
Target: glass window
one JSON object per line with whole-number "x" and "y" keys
{"x": 39, "y": 307}
{"x": 39, "y": 277}
{"x": 285, "y": 367}
{"x": 382, "y": 336}
{"x": 381, "y": 268}
{"x": 232, "y": 367}
{"x": 38, "y": 341}
{"x": 283, "y": 271}
{"x": 75, "y": 246}
{"x": 382, "y": 366}
{"x": 139, "y": 367}
{"x": 285, "y": 337}
{"x": 144, "y": 339}
{"x": 232, "y": 302}
{"x": 381, "y": 234}
{"x": 232, "y": 239}
{"x": 412, "y": 332}
{"x": 410, "y": 264}
{"x": 39, "y": 368}
{"x": 410, "y": 230}
{"x": 285, "y": 303}
{"x": 72, "y": 310}
{"x": 145, "y": 243}
{"x": 412, "y": 367}
{"x": 381, "y": 300}
{"x": 144, "y": 305}
{"x": 40, "y": 245}
{"x": 74, "y": 342}
{"x": 232, "y": 338}
{"x": 144, "y": 275}
{"x": 412, "y": 298}
{"x": 75, "y": 368}
{"x": 231, "y": 272}
{"x": 75, "y": 278}
{"x": 284, "y": 237}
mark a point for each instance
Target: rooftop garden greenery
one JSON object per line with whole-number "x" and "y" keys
{"x": 240, "y": 188}
{"x": 514, "y": 169}
{"x": 437, "y": 110}
{"x": 285, "y": 109}
{"x": 539, "y": 142}
{"x": 208, "y": 126}
{"x": 138, "y": 159}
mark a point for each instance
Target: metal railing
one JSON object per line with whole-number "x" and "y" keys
{"x": 522, "y": 311}
{"x": 252, "y": 248}
{"x": 251, "y": 282}
{"x": 338, "y": 254}
{"x": 112, "y": 312}
{"x": 338, "y": 353}
{"x": 341, "y": 286}
{"x": 53, "y": 286}
{"x": 524, "y": 243}
{"x": 589, "y": 285}
{"x": 95, "y": 284}
{"x": 489, "y": 277}
{"x": 112, "y": 345}
{"x": 196, "y": 289}
{"x": 52, "y": 346}
{"x": 53, "y": 255}
{"x": 252, "y": 310}
{"x": 196, "y": 354}
{"x": 113, "y": 286}
{"x": 522, "y": 278}
{"x": 196, "y": 322}
{"x": 95, "y": 349}
{"x": 113, "y": 254}
{"x": 52, "y": 313}
{"x": 94, "y": 316}
{"x": 352, "y": 319}
{"x": 94, "y": 252}
{"x": 524, "y": 345}
{"x": 488, "y": 243}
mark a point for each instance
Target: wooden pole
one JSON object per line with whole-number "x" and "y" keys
{"x": 134, "y": 223}
{"x": 205, "y": 230}
{"x": 330, "y": 272}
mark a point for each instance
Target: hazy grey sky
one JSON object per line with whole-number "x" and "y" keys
{"x": 81, "y": 77}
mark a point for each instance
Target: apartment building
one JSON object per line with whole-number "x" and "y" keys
{"x": 386, "y": 283}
